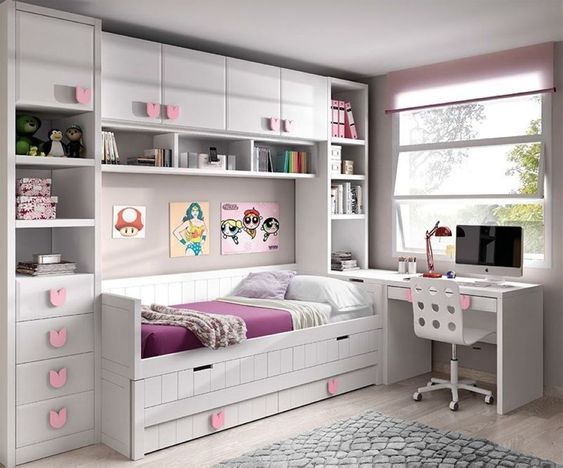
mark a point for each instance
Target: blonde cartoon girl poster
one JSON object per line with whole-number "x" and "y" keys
{"x": 188, "y": 229}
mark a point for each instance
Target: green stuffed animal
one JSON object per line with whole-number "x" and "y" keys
{"x": 26, "y": 126}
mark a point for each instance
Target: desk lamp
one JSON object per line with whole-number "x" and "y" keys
{"x": 438, "y": 231}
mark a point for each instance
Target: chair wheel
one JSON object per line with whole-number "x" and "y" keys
{"x": 489, "y": 399}
{"x": 429, "y": 384}
{"x": 417, "y": 396}
{"x": 454, "y": 405}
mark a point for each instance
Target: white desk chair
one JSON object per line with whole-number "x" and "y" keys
{"x": 438, "y": 315}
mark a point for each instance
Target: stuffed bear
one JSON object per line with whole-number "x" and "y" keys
{"x": 26, "y": 126}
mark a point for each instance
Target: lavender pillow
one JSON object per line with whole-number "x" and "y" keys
{"x": 265, "y": 285}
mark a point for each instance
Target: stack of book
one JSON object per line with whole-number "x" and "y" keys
{"x": 111, "y": 155}
{"x": 346, "y": 198}
{"x": 343, "y": 261}
{"x": 156, "y": 157}
{"x": 295, "y": 162}
{"x": 263, "y": 159}
{"x": 342, "y": 121}
{"x": 38, "y": 269}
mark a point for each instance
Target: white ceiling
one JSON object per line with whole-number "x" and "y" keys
{"x": 342, "y": 37}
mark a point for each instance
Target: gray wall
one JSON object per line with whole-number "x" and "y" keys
{"x": 150, "y": 256}
{"x": 381, "y": 235}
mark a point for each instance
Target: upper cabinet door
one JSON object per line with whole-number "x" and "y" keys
{"x": 131, "y": 74}
{"x": 55, "y": 62}
{"x": 253, "y": 97}
{"x": 304, "y": 105}
{"x": 193, "y": 88}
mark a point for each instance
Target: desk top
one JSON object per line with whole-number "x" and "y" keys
{"x": 466, "y": 285}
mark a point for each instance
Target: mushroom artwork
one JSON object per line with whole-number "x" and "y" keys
{"x": 129, "y": 222}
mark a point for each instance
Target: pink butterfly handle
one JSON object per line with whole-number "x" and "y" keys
{"x": 274, "y": 124}
{"x": 172, "y": 112}
{"x": 217, "y": 420}
{"x": 288, "y": 125}
{"x": 57, "y": 297}
{"x": 408, "y": 295}
{"x": 153, "y": 110}
{"x": 465, "y": 302}
{"x": 332, "y": 386}
{"x": 57, "y": 419}
{"x": 57, "y": 339}
{"x": 57, "y": 379}
{"x": 83, "y": 95}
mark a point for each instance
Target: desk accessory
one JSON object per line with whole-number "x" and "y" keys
{"x": 438, "y": 231}
{"x": 411, "y": 265}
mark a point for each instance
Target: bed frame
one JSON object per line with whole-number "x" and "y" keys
{"x": 149, "y": 404}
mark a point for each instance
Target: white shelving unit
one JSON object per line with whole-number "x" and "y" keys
{"x": 54, "y": 223}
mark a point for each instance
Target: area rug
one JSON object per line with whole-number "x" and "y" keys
{"x": 375, "y": 440}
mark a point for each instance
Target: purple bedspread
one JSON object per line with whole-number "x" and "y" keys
{"x": 157, "y": 340}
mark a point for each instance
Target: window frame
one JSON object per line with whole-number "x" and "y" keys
{"x": 543, "y": 193}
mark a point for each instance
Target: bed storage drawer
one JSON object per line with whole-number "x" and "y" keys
{"x": 54, "y": 296}
{"x": 53, "y": 378}
{"x": 56, "y": 337}
{"x": 51, "y": 419}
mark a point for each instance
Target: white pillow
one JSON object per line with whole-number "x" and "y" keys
{"x": 341, "y": 295}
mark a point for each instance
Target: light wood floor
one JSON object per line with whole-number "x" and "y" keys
{"x": 535, "y": 429}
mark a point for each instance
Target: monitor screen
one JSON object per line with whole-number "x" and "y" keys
{"x": 497, "y": 246}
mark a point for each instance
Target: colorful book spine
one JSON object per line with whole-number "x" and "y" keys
{"x": 349, "y": 124}
{"x": 334, "y": 119}
{"x": 341, "y": 118}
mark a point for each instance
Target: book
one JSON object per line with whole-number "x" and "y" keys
{"x": 334, "y": 117}
{"x": 341, "y": 118}
{"x": 350, "y": 130}
{"x": 39, "y": 269}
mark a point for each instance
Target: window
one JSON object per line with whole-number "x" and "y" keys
{"x": 476, "y": 163}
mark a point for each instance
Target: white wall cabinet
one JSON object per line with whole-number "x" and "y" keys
{"x": 53, "y": 57}
{"x": 193, "y": 88}
{"x": 304, "y": 105}
{"x": 131, "y": 79}
{"x": 253, "y": 97}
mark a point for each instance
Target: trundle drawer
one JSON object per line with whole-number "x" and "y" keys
{"x": 53, "y": 338}
{"x": 53, "y": 378}
{"x": 51, "y": 419}
{"x": 54, "y": 296}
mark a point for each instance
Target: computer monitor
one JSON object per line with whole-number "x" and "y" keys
{"x": 491, "y": 251}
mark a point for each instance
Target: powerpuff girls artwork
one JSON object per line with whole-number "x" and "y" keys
{"x": 249, "y": 227}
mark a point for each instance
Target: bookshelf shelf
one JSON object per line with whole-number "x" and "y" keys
{"x": 347, "y": 177}
{"x": 343, "y": 217}
{"x": 55, "y": 223}
{"x": 176, "y": 171}
{"x": 49, "y": 162}
{"x": 347, "y": 142}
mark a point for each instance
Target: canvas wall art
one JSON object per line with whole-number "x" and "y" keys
{"x": 189, "y": 235}
{"x": 249, "y": 227}
{"x": 129, "y": 222}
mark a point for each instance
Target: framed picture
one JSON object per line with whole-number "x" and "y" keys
{"x": 249, "y": 227}
{"x": 189, "y": 235}
{"x": 129, "y": 222}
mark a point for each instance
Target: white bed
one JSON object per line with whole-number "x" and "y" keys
{"x": 149, "y": 404}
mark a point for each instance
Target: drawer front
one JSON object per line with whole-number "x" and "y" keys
{"x": 54, "y": 378}
{"x": 51, "y": 419}
{"x": 52, "y": 338}
{"x": 54, "y": 297}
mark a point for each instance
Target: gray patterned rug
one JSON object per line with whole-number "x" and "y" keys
{"x": 375, "y": 440}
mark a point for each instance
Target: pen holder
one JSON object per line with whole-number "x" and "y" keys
{"x": 411, "y": 267}
{"x": 402, "y": 267}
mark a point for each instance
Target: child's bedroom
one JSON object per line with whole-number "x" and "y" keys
{"x": 248, "y": 234}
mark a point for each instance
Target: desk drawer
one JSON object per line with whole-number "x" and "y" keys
{"x": 395, "y": 292}
{"x": 54, "y": 296}
{"x": 52, "y": 338}
{"x": 51, "y": 419}
{"x": 53, "y": 378}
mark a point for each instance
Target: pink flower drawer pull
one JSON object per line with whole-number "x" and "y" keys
{"x": 288, "y": 125}
{"x": 57, "y": 420}
{"x": 57, "y": 297}
{"x": 83, "y": 95}
{"x": 332, "y": 386}
{"x": 218, "y": 420}
{"x": 153, "y": 110}
{"x": 57, "y": 379}
{"x": 274, "y": 124}
{"x": 57, "y": 339}
{"x": 172, "y": 112}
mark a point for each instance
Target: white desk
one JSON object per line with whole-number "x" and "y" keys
{"x": 517, "y": 312}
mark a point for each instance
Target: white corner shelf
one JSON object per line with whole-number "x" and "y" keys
{"x": 50, "y": 162}
{"x": 180, "y": 171}
{"x": 347, "y": 142}
{"x": 342, "y": 217}
{"x": 347, "y": 177}
{"x": 54, "y": 223}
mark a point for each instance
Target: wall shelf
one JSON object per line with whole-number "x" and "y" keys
{"x": 54, "y": 223}
{"x": 341, "y": 217}
{"x": 347, "y": 142}
{"x": 348, "y": 177}
{"x": 177, "y": 171}
{"x": 49, "y": 162}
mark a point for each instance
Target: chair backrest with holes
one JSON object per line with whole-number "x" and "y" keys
{"x": 437, "y": 310}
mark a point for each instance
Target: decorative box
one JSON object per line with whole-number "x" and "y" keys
{"x": 36, "y": 207}
{"x": 204, "y": 163}
{"x": 33, "y": 187}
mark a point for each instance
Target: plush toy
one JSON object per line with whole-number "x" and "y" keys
{"x": 26, "y": 126}
{"x": 55, "y": 145}
{"x": 75, "y": 148}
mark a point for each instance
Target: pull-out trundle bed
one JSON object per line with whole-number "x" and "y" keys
{"x": 155, "y": 402}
